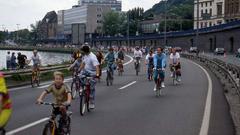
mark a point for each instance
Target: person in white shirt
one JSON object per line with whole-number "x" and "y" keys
{"x": 8, "y": 60}
{"x": 137, "y": 55}
{"x": 175, "y": 63}
{"x": 90, "y": 67}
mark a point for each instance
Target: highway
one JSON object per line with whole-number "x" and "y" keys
{"x": 195, "y": 107}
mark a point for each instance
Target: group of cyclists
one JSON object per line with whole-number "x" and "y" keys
{"x": 88, "y": 64}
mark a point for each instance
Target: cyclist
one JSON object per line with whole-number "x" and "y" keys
{"x": 76, "y": 64}
{"x": 100, "y": 59}
{"x": 159, "y": 61}
{"x": 90, "y": 67}
{"x": 175, "y": 63}
{"x": 5, "y": 104}
{"x": 120, "y": 56}
{"x": 110, "y": 59}
{"x": 61, "y": 93}
{"x": 149, "y": 63}
{"x": 137, "y": 55}
{"x": 36, "y": 63}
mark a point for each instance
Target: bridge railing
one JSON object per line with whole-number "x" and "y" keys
{"x": 228, "y": 74}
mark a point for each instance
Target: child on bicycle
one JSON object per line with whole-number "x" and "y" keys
{"x": 5, "y": 104}
{"x": 61, "y": 93}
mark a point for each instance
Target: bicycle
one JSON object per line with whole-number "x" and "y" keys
{"x": 75, "y": 86}
{"x": 35, "y": 79}
{"x": 150, "y": 73}
{"x": 85, "y": 94}
{"x": 175, "y": 76}
{"x": 109, "y": 78}
{"x": 159, "y": 81}
{"x": 137, "y": 66}
{"x": 120, "y": 67}
{"x": 57, "y": 125}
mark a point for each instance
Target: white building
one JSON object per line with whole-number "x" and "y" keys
{"x": 211, "y": 13}
{"x": 114, "y": 4}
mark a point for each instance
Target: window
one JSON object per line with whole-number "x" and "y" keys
{"x": 206, "y": 11}
{"x": 210, "y": 12}
{"x": 206, "y": 4}
{"x": 219, "y": 9}
{"x": 99, "y": 15}
{"x": 210, "y": 24}
{"x": 201, "y": 24}
{"x": 210, "y": 3}
{"x": 201, "y": 4}
{"x": 201, "y": 12}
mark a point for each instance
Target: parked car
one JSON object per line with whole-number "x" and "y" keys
{"x": 193, "y": 50}
{"x": 238, "y": 53}
{"x": 178, "y": 49}
{"x": 219, "y": 51}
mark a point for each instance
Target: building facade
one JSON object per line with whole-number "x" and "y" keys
{"x": 114, "y": 4}
{"x": 211, "y": 13}
{"x": 232, "y": 10}
{"x": 89, "y": 15}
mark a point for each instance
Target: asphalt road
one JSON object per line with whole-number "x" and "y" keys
{"x": 135, "y": 110}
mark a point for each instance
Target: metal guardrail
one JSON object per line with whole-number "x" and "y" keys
{"x": 229, "y": 74}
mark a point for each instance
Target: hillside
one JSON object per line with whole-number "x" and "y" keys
{"x": 180, "y": 8}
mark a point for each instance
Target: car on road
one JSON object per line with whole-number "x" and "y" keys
{"x": 178, "y": 49}
{"x": 219, "y": 51}
{"x": 193, "y": 50}
{"x": 238, "y": 53}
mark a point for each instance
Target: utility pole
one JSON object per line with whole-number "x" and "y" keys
{"x": 165, "y": 23}
{"x": 197, "y": 32}
{"x": 17, "y": 31}
{"x": 128, "y": 29}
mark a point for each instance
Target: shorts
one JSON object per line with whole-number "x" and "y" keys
{"x": 4, "y": 117}
{"x": 177, "y": 67}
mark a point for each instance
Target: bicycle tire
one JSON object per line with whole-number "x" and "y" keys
{"x": 82, "y": 105}
{"x": 73, "y": 90}
{"x": 48, "y": 129}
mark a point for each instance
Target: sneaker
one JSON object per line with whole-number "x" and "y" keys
{"x": 179, "y": 79}
{"x": 171, "y": 75}
{"x": 162, "y": 85}
{"x": 155, "y": 88}
{"x": 91, "y": 106}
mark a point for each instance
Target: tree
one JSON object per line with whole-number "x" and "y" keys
{"x": 113, "y": 23}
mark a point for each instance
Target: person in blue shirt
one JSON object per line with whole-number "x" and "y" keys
{"x": 159, "y": 62}
{"x": 110, "y": 59}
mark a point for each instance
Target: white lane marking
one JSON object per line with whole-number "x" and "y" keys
{"x": 26, "y": 126}
{"x": 127, "y": 85}
{"x": 207, "y": 111}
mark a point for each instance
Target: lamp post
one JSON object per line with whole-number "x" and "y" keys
{"x": 197, "y": 31}
{"x": 165, "y": 23}
{"x": 17, "y": 31}
{"x": 47, "y": 20}
{"x": 128, "y": 29}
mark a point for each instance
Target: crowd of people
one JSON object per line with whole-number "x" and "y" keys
{"x": 14, "y": 62}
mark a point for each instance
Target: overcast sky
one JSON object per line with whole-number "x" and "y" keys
{"x": 25, "y": 12}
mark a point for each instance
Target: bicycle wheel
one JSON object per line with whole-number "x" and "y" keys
{"x": 49, "y": 129}
{"x": 87, "y": 100}
{"x": 83, "y": 104}
{"x": 68, "y": 125}
{"x": 2, "y": 132}
{"x": 74, "y": 87}
{"x": 108, "y": 78}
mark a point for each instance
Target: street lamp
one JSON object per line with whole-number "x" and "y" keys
{"x": 165, "y": 23}
{"x": 17, "y": 31}
{"x": 197, "y": 32}
{"x": 47, "y": 20}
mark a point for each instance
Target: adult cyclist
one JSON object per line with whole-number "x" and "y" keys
{"x": 90, "y": 67}
{"x": 149, "y": 63}
{"x": 175, "y": 63}
{"x": 120, "y": 57}
{"x": 110, "y": 59}
{"x": 36, "y": 63}
{"x": 137, "y": 55}
{"x": 5, "y": 104}
{"x": 159, "y": 61}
